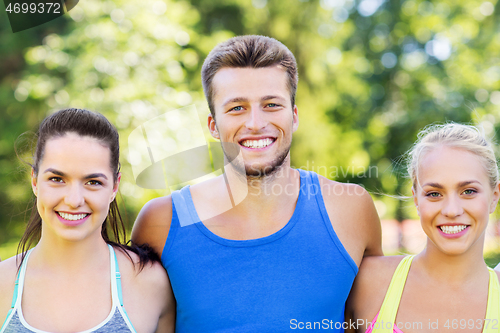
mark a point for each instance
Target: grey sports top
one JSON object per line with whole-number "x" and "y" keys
{"x": 117, "y": 320}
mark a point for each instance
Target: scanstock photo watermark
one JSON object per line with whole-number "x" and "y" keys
{"x": 432, "y": 325}
{"x": 171, "y": 150}
{"x": 26, "y": 14}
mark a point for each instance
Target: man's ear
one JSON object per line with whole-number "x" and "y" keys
{"x": 295, "y": 125}
{"x": 34, "y": 183}
{"x": 212, "y": 127}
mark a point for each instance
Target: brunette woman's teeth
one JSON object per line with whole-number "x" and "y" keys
{"x": 72, "y": 217}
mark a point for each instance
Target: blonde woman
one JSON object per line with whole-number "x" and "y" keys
{"x": 447, "y": 287}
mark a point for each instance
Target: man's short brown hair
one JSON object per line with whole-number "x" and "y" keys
{"x": 248, "y": 51}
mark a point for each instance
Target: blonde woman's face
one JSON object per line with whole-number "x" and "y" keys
{"x": 454, "y": 198}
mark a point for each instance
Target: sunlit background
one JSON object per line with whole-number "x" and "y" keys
{"x": 372, "y": 74}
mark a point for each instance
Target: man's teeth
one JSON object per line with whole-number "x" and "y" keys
{"x": 257, "y": 143}
{"x": 448, "y": 229}
{"x": 72, "y": 217}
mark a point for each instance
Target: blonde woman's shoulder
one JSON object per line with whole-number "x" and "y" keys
{"x": 371, "y": 284}
{"x": 8, "y": 273}
{"x": 497, "y": 270}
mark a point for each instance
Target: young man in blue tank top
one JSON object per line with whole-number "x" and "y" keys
{"x": 264, "y": 247}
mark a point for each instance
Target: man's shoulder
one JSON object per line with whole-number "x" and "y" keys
{"x": 344, "y": 193}
{"x": 353, "y": 216}
{"x": 157, "y": 206}
{"x": 153, "y": 223}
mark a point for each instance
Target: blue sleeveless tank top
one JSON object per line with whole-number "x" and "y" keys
{"x": 298, "y": 277}
{"x": 117, "y": 320}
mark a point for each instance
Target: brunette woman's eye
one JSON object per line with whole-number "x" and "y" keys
{"x": 56, "y": 179}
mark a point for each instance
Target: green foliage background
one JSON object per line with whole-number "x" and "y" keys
{"x": 372, "y": 74}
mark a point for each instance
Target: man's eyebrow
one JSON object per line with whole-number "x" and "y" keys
{"x": 268, "y": 97}
{"x": 235, "y": 100}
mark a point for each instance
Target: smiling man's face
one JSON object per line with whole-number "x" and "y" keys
{"x": 253, "y": 111}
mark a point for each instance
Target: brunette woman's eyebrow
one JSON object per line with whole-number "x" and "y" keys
{"x": 62, "y": 174}
{"x": 96, "y": 175}
{"x": 55, "y": 172}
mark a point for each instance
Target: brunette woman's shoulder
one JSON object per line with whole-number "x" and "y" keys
{"x": 8, "y": 274}
{"x": 147, "y": 292}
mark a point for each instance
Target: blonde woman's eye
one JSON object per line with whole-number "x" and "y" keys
{"x": 94, "y": 182}
{"x": 432, "y": 195}
{"x": 469, "y": 191}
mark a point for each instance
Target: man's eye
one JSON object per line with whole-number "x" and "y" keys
{"x": 236, "y": 108}
{"x": 272, "y": 105}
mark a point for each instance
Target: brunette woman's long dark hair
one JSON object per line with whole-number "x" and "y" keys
{"x": 94, "y": 125}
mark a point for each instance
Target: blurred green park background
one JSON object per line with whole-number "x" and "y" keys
{"x": 372, "y": 74}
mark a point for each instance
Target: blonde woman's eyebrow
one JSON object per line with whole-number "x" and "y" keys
{"x": 461, "y": 184}
{"x": 467, "y": 182}
{"x": 437, "y": 185}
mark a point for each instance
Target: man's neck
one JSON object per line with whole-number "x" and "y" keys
{"x": 258, "y": 207}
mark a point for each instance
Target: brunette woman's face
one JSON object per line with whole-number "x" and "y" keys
{"x": 74, "y": 187}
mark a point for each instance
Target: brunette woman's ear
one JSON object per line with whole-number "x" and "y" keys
{"x": 34, "y": 182}
{"x": 116, "y": 186}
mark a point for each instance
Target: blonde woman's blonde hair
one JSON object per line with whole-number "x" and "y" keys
{"x": 453, "y": 135}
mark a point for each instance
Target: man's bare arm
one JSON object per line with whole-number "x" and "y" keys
{"x": 353, "y": 217}
{"x": 153, "y": 224}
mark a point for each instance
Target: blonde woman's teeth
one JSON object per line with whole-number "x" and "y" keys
{"x": 448, "y": 229}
